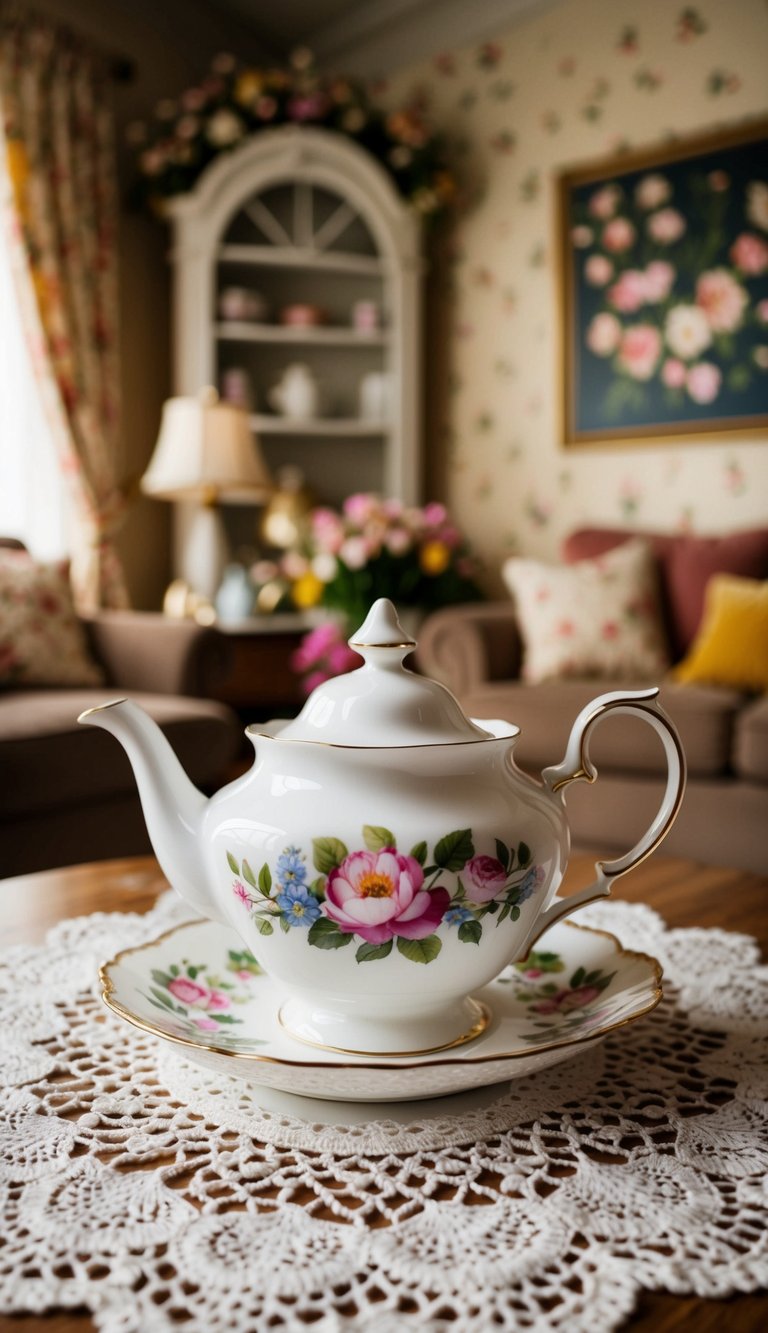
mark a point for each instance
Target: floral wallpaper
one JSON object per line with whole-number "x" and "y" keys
{"x": 575, "y": 84}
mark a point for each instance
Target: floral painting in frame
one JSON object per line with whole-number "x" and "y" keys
{"x": 664, "y": 285}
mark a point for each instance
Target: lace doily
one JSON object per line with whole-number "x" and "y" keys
{"x": 133, "y": 1184}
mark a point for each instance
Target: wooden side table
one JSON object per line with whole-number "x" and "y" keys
{"x": 258, "y": 681}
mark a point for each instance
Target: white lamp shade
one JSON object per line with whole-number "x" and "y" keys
{"x": 206, "y": 452}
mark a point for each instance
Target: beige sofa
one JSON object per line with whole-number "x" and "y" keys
{"x": 476, "y": 650}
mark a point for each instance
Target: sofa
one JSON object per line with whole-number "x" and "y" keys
{"x": 67, "y": 793}
{"x": 477, "y": 651}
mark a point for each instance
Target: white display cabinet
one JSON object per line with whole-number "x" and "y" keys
{"x": 303, "y": 216}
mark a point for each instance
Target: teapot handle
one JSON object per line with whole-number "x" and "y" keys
{"x": 577, "y": 766}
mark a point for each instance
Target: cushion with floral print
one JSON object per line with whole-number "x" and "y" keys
{"x": 42, "y": 642}
{"x": 594, "y": 618}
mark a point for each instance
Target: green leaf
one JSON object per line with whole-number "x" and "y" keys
{"x": 325, "y": 934}
{"x": 233, "y": 863}
{"x": 265, "y": 880}
{"x": 191, "y": 973}
{"x": 419, "y": 951}
{"x": 317, "y": 888}
{"x": 504, "y": 913}
{"x": 524, "y": 855}
{"x": 263, "y": 926}
{"x": 430, "y": 870}
{"x": 226, "y": 1018}
{"x": 592, "y": 977}
{"x": 248, "y": 874}
{"x": 327, "y": 854}
{"x": 419, "y": 852}
{"x": 163, "y": 999}
{"x": 578, "y": 978}
{"x": 470, "y": 932}
{"x": 455, "y": 849}
{"x": 515, "y": 913}
{"x": 161, "y": 978}
{"x": 284, "y": 924}
{"x": 174, "y": 970}
{"x": 367, "y": 953}
{"x": 376, "y": 837}
{"x": 502, "y": 853}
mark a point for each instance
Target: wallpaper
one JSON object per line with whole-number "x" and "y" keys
{"x": 583, "y": 80}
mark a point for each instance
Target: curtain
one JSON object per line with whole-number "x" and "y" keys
{"x": 58, "y": 211}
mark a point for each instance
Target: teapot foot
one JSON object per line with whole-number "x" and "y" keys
{"x": 353, "y": 1033}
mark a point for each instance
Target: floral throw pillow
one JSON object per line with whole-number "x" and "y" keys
{"x": 594, "y": 618}
{"x": 41, "y": 639}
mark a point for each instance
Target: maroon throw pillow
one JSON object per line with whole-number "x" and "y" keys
{"x": 686, "y": 564}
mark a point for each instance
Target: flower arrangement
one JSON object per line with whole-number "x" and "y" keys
{"x": 236, "y": 100}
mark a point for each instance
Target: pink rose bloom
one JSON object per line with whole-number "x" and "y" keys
{"x": 659, "y": 277}
{"x": 581, "y": 237}
{"x": 379, "y": 895}
{"x": 188, "y": 991}
{"x": 673, "y": 373}
{"x": 703, "y": 382}
{"x": 217, "y": 1001}
{"x": 354, "y": 551}
{"x": 618, "y": 235}
{"x": 629, "y": 293}
{"x": 435, "y": 514}
{"x": 314, "y": 679}
{"x": 398, "y": 541}
{"x": 488, "y": 878}
{"x": 640, "y": 350}
{"x": 666, "y": 226}
{"x": 603, "y": 334}
{"x": 315, "y": 645}
{"x": 652, "y": 191}
{"x": 722, "y": 299}
{"x": 604, "y": 202}
{"x": 342, "y": 658}
{"x": 565, "y": 1000}
{"x": 750, "y": 253}
{"x": 360, "y": 507}
{"x": 598, "y": 270}
{"x": 207, "y": 1024}
{"x": 533, "y": 973}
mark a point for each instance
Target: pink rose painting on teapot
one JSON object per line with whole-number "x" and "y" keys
{"x": 386, "y": 898}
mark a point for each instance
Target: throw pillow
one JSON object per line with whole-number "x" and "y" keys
{"x": 41, "y": 639}
{"x": 593, "y": 618}
{"x": 731, "y": 647}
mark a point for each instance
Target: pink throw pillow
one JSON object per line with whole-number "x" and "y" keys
{"x": 42, "y": 642}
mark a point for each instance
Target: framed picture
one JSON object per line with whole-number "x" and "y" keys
{"x": 664, "y": 291}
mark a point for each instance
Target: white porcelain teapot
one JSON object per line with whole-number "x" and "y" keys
{"x": 297, "y": 394}
{"x": 384, "y": 857}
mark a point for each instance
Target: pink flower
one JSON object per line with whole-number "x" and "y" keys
{"x": 435, "y": 514}
{"x": 206, "y": 1024}
{"x": 651, "y": 191}
{"x": 217, "y": 1000}
{"x": 487, "y": 877}
{"x": 666, "y": 226}
{"x": 598, "y": 270}
{"x": 618, "y": 235}
{"x": 533, "y": 973}
{"x": 659, "y": 277}
{"x": 360, "y": 508}
{"x": 604, "y": 202}
{"x": 703, "y": 382}
{"x": 640, "y": 350}
{"x": 603, "y": 334}
{"x": 565, "y": 1000}
{"x": 610, "y": 629}
{"x": 629, "y": 293}
{"x": 761, "y": 310}
{"x": 722, "y": 299}
{"x": 750, "y": 253}
{"x": 379, "y": 895}
{"x": 354, "y": 552}
{"x": 241, "y": 892}
{"x": 673, "y": 373}
{"x": 314, "y": 679}
{"x": 581, "y": 237}
{"x": 188, "y": 991}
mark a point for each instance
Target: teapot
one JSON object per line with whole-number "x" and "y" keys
{"x": 297, "y": 394}
{"x": 384, "y": 857}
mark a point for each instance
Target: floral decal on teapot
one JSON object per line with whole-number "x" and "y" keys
{"x": 386, "y": 898}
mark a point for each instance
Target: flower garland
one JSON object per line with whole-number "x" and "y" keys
{"x": 235, "y": 101}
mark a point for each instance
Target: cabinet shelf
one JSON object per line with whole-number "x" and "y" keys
{"x": 324, "y": 336}
{"x": 278, "y": 256}
{"x": 264, "y": 424}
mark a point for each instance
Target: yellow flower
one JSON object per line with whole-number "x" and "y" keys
{"x": 307, "y": 591}
{"x": 434, "y": 557}
{"x": 248, "y": 87}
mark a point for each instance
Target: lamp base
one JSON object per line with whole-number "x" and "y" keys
{"x": 201, "y": 548}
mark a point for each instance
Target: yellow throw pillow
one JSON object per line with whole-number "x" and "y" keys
{"x": 731, "y": 647}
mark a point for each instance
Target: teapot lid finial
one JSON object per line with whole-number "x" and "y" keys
{"x": 381, "y": 629}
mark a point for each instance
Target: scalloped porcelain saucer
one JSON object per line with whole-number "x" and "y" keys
{"x": 197, "y": 987}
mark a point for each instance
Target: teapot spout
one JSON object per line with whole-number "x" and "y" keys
{"x": 173, "y": 807}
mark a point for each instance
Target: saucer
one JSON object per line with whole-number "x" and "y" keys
{"x": 198, "y": 987}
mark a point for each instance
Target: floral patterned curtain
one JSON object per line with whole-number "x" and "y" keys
{"x": 58, "y": 213}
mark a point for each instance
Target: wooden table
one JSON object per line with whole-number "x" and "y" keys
{"x": 684, "y": 893}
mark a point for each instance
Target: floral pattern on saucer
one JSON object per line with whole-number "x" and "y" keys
{"x": 385, "y": 898}
{"x": 570, "y": 1008}
{"x": 203, "y": 999}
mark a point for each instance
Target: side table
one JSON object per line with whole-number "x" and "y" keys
{"x": 258, "y": 681}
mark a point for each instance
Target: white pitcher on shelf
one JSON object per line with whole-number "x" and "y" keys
{"x": 297, "y": 394}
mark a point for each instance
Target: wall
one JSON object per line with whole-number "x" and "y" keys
{"x": 568, "y": 86}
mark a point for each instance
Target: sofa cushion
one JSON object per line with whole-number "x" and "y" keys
{"x": 597, "y": 618}
{"x": 42, "y": 642}
{"x": 49, "y": 761}
{"x": 686, "y": 564}
{"x": 731, "y": 647}
{"x": 750, "y": 743}
{"x": 705, "y": 718}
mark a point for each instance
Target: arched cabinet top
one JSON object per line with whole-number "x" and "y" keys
{"x": 284, "y": 155}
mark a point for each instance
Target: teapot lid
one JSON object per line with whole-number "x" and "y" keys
{"x": 382, "y": 703}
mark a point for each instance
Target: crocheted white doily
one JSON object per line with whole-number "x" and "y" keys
{"x": 135, "y": 1185}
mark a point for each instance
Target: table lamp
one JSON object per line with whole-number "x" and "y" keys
{"x": 206, "y": 454}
